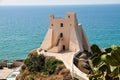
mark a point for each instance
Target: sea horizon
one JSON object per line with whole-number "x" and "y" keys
{"x": 64, "y": 5}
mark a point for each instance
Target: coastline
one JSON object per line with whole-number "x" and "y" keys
{"x": 16, "y": 63}
{"x": 7, "y": 70}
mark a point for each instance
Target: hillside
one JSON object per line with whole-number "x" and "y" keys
{"x": 40, "y": 67}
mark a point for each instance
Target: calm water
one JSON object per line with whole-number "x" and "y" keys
{"x": 23, "y": 28}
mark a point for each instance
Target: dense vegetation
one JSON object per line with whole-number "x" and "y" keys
{"x": 40, "y": 67}
{"x": 106, "y": 66}
{"x": 35, "y": 63}
{"x": 106, "y": 63}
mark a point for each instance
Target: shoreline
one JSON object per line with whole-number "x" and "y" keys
{"x": 15, "y": 63}
{"x": 5, "y": 60}
{"x": 7, "y": 68}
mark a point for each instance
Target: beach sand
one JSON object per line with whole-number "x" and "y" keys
{"x": 5, "y": 72}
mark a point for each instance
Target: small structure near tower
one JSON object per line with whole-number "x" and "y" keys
{"x": 65, "y": 34}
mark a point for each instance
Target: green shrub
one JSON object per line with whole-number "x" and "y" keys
{"x": 31, "y": 77}
{"x": 108, "y": 50}
{"x": 106, "y": 65}
{"x": 39, "y": 63}
{"x": 95, "y": 49}
{"x": 96, "y": 55}
{"x": 23, "y": 67}
{"x": 50, "y": 65}
{"x": 35, "y": 62}
{"x": 75, "y": 78}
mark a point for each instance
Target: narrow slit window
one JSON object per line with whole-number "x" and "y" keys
{"x": 68, "y": 16}
{"x": 63, "y": 47}
{"x": 51, "y": 24}
{"x": 61, "y": 35}
{"x": 61, "y": 25}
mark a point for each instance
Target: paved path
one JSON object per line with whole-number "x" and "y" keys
{"x": 67, "y": 58}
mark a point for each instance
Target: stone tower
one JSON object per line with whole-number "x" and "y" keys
{"x": 65, "y": 34}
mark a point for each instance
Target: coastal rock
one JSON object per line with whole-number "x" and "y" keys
{"x": 34, "y": 51}
{"x": 83, "y": 55}
{"x": 4, "y": 64}
{"x": 82, "y": 66}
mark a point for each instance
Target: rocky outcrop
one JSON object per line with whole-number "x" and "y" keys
{"x": 82, "y": 62}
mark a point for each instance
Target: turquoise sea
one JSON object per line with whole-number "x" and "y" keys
{"x": 22, "y": 28}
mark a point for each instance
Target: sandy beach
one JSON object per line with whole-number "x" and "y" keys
{"x": 5, "y": 72}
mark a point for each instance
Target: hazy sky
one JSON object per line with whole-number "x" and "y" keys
{"x": 57, "y": 2}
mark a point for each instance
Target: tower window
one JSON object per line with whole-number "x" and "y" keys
{"x": 61, "y": 25}
{"x": 68, "y": 16}
{"x": 51, "y": 24}
{"x": 63, "y": 47}
{"x": 61, "y": 35}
